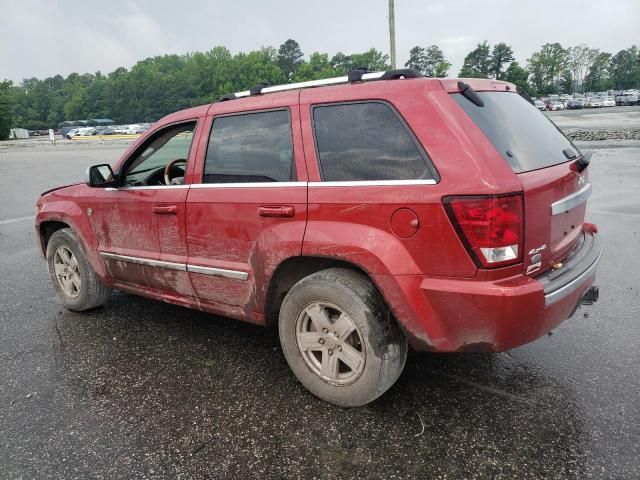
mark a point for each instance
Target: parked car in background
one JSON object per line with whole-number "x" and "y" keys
{"x": 627, "y": 99}
{"x": 555, "y": 105}
{"x": 539, "y": 105}
{"x": 71, "y": 133}
{"x": 377, "y": 234}
{"x": 576, "y": 103}
{"x": 608, "y": 102}
{"x": 594, "y": 102}
{"x": 104, "y": 130}
{"x": 85, "y": 132}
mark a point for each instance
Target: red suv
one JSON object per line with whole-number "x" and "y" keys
{"x": 379, "y": 211}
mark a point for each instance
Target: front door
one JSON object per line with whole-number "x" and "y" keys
{"x": 249, "y": 212}
{"x": 140, "y": 224}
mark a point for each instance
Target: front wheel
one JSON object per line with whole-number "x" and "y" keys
{"x": 340, "y": 338}
{"x": 75, "y": 282}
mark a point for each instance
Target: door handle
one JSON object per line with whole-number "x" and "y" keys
{"x": 165, "y": 209}
{"x": 283, "y": 211}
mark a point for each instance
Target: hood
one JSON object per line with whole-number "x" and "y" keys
{"x": 60, "y": 187}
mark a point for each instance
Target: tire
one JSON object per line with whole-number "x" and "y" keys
{"x": 360, "y": 365}
{"x": 76, "y": 284}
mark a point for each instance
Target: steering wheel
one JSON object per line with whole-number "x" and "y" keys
{"x": 167, "y": 169}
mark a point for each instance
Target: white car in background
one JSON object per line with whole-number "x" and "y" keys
{"x": 608, "y": 102}
{"x": 85, "y": 132}
{"x": 594, "y": 102}
{"x": 555, "y": 105}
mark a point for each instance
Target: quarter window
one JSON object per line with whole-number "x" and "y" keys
{"x": 366, "y": 141}
{"x": 254, "y": 147}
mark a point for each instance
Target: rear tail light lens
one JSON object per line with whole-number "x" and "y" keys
{"x": 490, "y": 227}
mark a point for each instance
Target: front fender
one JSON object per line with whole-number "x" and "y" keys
{"x": 70, "y": 213}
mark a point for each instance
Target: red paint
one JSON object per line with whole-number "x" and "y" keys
{"x": 401, "y": 236}
{"x": 404, "y": 223}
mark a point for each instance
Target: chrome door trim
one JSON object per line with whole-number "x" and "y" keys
{"x": 144, "y": 261}
{"x": 571, "y": 201}
{"x": 573, "y": 285}
{"x": 218, "y": 272}
{"x": 249, "y": 185}
{"x": 357, "y": 183}
{"x": 146, "y": 187}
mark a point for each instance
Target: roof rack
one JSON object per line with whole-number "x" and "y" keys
{"x": 353, "y": 76}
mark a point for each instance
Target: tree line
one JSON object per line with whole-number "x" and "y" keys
{"x": 156, "y": 86}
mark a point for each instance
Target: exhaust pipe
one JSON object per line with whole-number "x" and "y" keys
{"x": 591, "y": 296}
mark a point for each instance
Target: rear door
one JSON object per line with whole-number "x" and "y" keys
{"x": 248, "y": 211}
{"x": 555, "y": 193}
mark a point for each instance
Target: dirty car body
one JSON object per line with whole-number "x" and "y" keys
{"x": 471, "y": 244}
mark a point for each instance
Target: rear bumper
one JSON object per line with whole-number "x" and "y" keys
{"x": 447, "y": 315}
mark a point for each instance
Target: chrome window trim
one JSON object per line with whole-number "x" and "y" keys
{"x": 218, "y": 272}
{"x": 249, "y": 185}
{"x": 144, "y": 261}
{"x": 354, "y": 183}
{"x": 146, "y": 187}
{"x": 571, "y": 201}
{"x": 573, "y": 285}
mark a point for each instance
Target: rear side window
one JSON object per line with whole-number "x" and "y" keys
{"x": 253, "y": 147}
{"x": 526, "y": 138}
{"x": 366, "y": 141}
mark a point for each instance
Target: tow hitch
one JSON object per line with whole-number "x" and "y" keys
{"x": 591, "y": 296}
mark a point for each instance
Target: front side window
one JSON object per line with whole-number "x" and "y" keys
{"x": 253, "y": 147}
{"x": 166, "y": 152}
{"x": 366, "y": 141}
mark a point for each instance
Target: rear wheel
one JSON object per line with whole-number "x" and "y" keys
{"x": 75, "y": 282}
{"x": 340, "y": 339}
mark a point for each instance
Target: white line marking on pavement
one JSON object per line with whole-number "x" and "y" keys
{"x": 609, "y": 212}
{"x": 15, "y": 220}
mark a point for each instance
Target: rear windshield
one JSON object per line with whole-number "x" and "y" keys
{"x": 524, "y": 136}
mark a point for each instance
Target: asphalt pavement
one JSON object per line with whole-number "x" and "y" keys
{"x": 143, "y": 389}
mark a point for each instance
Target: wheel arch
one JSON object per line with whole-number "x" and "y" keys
{"x": 291, "y": 271}
{"x": 48, "y": 228}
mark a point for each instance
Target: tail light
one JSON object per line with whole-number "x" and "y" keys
{"x": 490, "y": 226}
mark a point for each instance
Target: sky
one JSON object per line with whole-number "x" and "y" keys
{"x": 41, "y": 38}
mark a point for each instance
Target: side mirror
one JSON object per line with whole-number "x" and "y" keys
{"x": 100, "y": 176}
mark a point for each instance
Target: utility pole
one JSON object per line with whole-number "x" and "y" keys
{"x": 392, "y": 34}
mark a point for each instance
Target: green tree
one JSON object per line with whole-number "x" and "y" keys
{"x": 6, "y": 109}
{"x": 598, "y": 77}
{"x": 625, "y": 68}
{"x": 316, "y": 68}
{"x": 547, "y": 68}
{"x": 477, "y": 64}
{"x": 341, "y": 63}
{"x": 436, "y": 65}
{"x": 579, "y": 61}
{"x": 417, "y": 59}
{"x": 372, "y": 60}
{"x": 518, "y": 76}
{"x": 501, "y": 54}
{"x": 289, "y": 57}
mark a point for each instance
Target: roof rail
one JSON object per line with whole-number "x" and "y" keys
{"x": 353, "y": 76}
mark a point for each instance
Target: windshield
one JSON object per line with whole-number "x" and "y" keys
{"x": 523, "y": 135}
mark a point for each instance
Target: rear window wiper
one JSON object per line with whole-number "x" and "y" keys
{"x": 470, "y": 94}
{"x": 582, "y": 161}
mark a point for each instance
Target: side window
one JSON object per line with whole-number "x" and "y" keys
{"x": 167, "y": 147}
{"x": 366, "y": 141}
{"x": 252, "y": 147}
